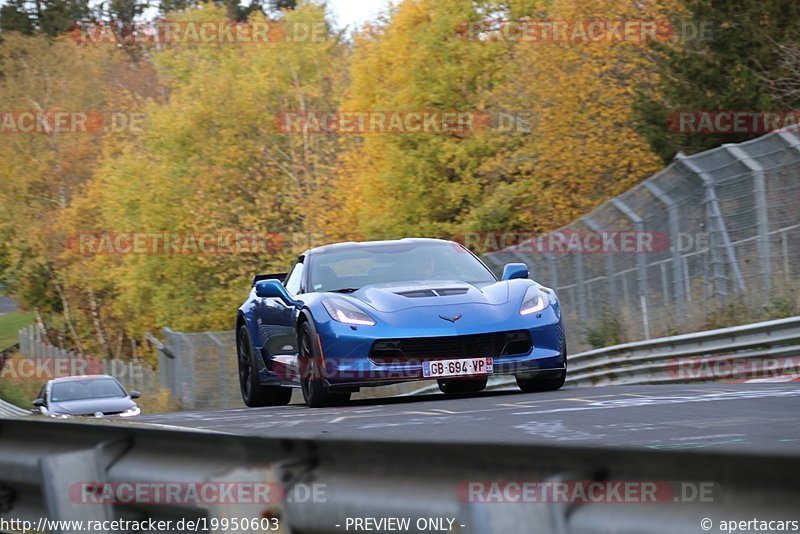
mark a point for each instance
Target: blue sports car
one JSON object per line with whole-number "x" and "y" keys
{"x": 351, "y": 315}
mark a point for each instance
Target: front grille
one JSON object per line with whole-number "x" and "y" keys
{"x": 446, "y": 347}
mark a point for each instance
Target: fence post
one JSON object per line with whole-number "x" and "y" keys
{"x": 674, "y": 233}
{"x": 790, "y": 139}
{"x": 223, "y": 381}
{"x": 553, "y": 269}
{"x": 716, "y": 222}
{"x": 609, "y": 264}
{"x": 641, "y": 264}
{"x": 189, "y": 368}
{"x": 785, "y": 253}
{"x": 762, "y": 213}
{"x": 580, "y": 286}
{"x": 170, "y": 375}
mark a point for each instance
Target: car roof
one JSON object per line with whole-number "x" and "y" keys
{"x": 80, "y": 377}
{"x": 356, "y": 245}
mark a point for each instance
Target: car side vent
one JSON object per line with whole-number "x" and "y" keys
{"x": 445, "y": 292}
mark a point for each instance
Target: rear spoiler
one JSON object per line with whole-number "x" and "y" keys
{"x": 276, "y": 276}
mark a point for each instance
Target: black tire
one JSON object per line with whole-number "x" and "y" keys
{"x": 538, "y": 384}
{"x": 315, "y": 392}
{"x": 253, "y": 393}
{"x": 460, "y": 386}
{"x": 548, "y": 382}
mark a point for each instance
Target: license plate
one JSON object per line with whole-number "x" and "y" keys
{"x": 462, "y": 367}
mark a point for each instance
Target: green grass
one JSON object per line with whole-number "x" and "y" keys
{"x": 10, "y": 324}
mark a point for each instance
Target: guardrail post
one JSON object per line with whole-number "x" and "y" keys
{"x": 762, "y": 213}
{"x": 641, "y": 264}
{"x": 62, "y": 478}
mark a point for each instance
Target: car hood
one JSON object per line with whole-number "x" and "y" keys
{"x": 399, "y": 296}
{"x": 92, "y": 406}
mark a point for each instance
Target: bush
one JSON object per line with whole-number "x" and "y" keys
{"x": 606, "y": 331}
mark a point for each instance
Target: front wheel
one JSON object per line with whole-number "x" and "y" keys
{"x": 551, "y": 381}
{"x": 462, "y": 385}
{"x": 315, "y": 392}
{"x": 253, "y": 393}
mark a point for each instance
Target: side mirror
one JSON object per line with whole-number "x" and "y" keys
{"x": 135, "y": 394}
{"x": 38, "y": 402}
{"x": 272, "y": 288}
{"x": 512, "y": 271}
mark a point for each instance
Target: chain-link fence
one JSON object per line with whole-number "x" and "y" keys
{"x": 42, "y": 361}
{"x": 200, "y": 369}
{"x": 720, "y": 228}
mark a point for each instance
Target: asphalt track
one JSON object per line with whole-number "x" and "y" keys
{"x": 763, "y": 418}
{"x": 7, "y": 305}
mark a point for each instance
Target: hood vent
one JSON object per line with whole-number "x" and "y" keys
{"x": 444, "y": 292}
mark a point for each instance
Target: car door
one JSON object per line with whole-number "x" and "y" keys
{"x": 276, "y": 327}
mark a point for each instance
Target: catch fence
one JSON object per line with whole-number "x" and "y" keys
{"x": 715, "y": 229}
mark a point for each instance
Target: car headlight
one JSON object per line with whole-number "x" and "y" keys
{"x": 535, "y": 301}
{"x": 60, "y": 415}
{"x": 344, "y": 312}
{"x": 131, "y": 412}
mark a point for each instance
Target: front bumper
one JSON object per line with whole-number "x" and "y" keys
{"x": 347, "y": 363}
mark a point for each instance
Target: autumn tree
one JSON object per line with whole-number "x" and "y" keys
{"x": 43, "y": 171}
{"x": 583, "y": 146}
{"x": 407, "y": 184}
{"x": 730, "y": 68}
{"x": 212, "y": 159}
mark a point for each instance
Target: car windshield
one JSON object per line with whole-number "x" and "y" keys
{"x": 98, "y": 388}
{"x": 353, "y": 268}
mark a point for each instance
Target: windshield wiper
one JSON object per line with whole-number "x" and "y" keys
{"x": 344, "y": 290}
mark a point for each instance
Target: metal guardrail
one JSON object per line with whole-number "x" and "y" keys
{"x": 692, "y": 357}
{"x": 11, "y": 410}
{"x": 42, "y": 463}
{"x": 723, "y": 354}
